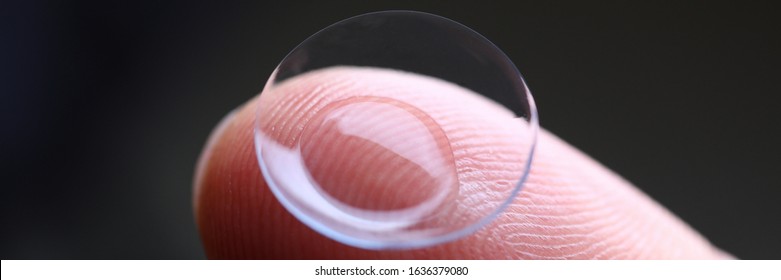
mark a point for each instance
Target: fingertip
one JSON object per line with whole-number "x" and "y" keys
{"x": 570, "y": 207}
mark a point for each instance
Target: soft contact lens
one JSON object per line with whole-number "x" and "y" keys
{"x": 395, "y": 130}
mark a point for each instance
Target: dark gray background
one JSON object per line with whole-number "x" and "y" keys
{"x": 105, "y": 107}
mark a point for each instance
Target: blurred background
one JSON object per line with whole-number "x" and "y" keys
{"x": 106, "y": 105}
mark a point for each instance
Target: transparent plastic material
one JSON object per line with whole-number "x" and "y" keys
{"x": 395, "y": 130}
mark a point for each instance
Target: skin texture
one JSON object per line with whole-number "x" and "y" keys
{"x": 571, "y": 207}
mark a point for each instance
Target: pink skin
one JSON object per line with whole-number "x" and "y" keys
{"x": 570, "y": 208}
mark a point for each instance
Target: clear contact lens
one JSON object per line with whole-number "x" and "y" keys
{"x": 395, "y": 130}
